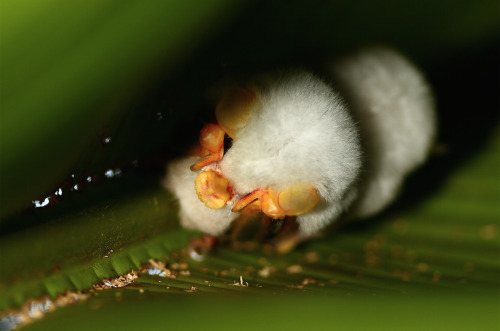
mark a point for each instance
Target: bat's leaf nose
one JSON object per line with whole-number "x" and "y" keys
{"x": 212, "y": 189}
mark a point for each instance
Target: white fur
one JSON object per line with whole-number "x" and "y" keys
{"x": 394, "y": 108}
{"x": 301, "y": 131}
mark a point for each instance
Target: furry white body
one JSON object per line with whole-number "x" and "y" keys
{"x": 301, "y": 131}
{"x": 394, "y": 110}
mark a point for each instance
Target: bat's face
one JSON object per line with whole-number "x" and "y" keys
{"x": 249, "y": 171}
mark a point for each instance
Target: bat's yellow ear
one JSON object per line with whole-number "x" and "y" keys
{"x": 298, "y": 199}
{"x": 233, "y": 110}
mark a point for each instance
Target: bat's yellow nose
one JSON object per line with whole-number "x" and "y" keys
{"x": 212, "y": 189}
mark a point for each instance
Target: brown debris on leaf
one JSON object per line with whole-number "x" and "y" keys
{"x": 158, "y": 268}
{"x": 241, "y": 283}
{"x": 34, "y": 309}
{"x": 192, "y": 289}
{"x": 266, "y": 271}
{"x": 117, "y": 282}
{"x": 294, "y": 269}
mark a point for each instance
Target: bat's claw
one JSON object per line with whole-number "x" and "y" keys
{"x": 211, "y": 141}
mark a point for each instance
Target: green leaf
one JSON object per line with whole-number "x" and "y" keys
{"x": 68, "y": 68}
{"x": 426, "y": 262}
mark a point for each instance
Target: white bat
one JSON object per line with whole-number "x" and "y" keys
{"x": 304, "y": 148}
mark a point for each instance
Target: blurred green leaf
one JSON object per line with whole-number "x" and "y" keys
{"x": 295, "y": 311}
{"x": 427, "y": 262}
{"x": 68, "y": 67}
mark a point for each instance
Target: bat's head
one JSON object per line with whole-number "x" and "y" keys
{"x": 282, "y": 143}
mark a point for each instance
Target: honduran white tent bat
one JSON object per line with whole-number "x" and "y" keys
{"x": 302, "y": 147}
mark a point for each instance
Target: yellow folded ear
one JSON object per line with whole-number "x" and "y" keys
{"x": 298, "y": 199}
{"x": 293, "y": 201}
{"x": 233, "y": 110}
{"x": 212, "y": 137}
{"x": 212, "y": 189}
